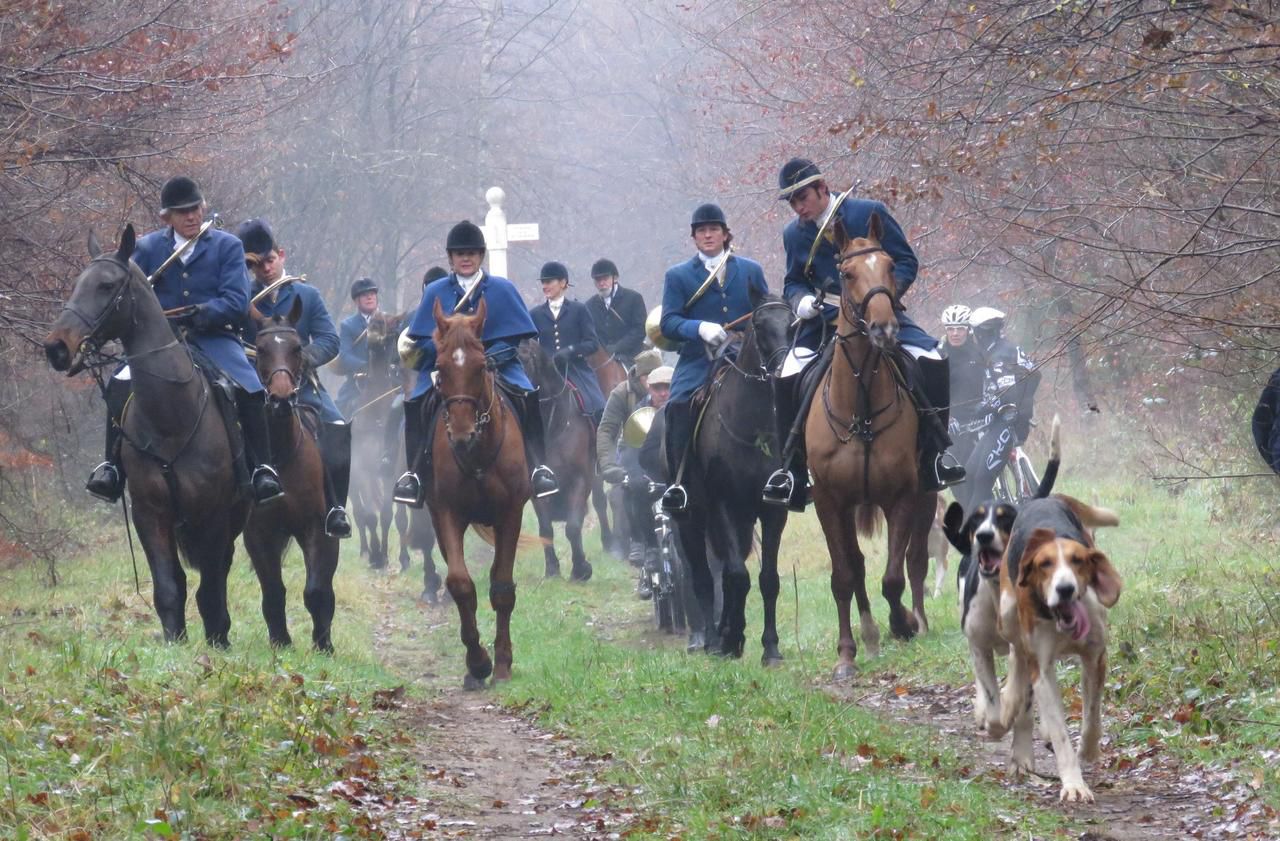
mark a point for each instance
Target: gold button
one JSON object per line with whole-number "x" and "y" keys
{"x": 186, "y": 274}
{"x": 186, "y": 293}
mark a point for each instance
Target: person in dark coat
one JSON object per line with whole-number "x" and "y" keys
{"x": 209, "y": 287}
{"x": 266, "y": 259}
{"x": 506, "y": 323}
{"x": 699, "y": 326}
{"x": 567, "y": 334}
{"x": 812, "y": 287}
{"x": 353, "y": 344}
{"x": 618, "y": 313}
{"x": 967, "y": 368}
{"x": 1266, "y": 422}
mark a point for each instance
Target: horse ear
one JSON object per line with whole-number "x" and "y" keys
{"x": 754, "y": 295}
{"x": 295, "y": 312}
{"x": 437, "y": 312}
{"x": 257, "y": 317}
{"x": 840, "y": 236}
{"x": 94, "y": 248}
{"x": 875, "y": 228}
{"x": 482, "y": 310}
{"x": 128, "y": 239}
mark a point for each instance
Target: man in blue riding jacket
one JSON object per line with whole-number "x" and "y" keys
{"x": 266, "y": 259}
{"x": 506, "y": 323}
{"x": 700, "y": 297}
{"x": 353, "y": 344}
{"x": 566, "y": 333}
{"x": 812, "y": 287}
{"x": 206, "y": 292}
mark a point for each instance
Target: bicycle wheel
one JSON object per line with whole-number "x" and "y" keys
{"x": 1006, "y": 484}
{"x": 663, "y": 601}
{"x": 1028, "y": 481}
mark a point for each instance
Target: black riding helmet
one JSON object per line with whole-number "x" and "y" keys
{"x": 465, "y": 236}
{"x": 708, "y": 214}
{"x": 361, "y": 286}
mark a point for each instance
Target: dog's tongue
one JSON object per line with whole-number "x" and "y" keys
{"x": 1078, "y": 624}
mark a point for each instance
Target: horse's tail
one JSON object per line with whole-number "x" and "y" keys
{"x": 523, "y": 542}
{"x": 867, "y": 518}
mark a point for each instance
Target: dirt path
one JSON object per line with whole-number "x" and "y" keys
{"x": 505, "y": 779}
{"x": 1143, "y": 794}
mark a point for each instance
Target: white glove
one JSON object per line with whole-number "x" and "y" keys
{"x": 808, "y": 308}
{"x": 712, "y": 333}
{"x": 408, "y": 348}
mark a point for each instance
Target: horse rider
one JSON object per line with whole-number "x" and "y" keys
{"x": 967, "y": 370}
{"x": 626, "y": 397}
{"x": 1007, "y": 403}
{"x": 698, "y": 323}
{"x": 506, "y": 323}
{"x": 812, "y": 275}
{"x": 353, "y": 344}
{"x": 567, "y": 334}
{"x": 266, "y": 259}
{"x": 209, "y": 287}
{"x": 618, "y": 313}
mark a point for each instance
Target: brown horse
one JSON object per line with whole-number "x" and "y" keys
{"x": 300, "y": 515}
{"x": 613, "y": 535}
{"x": 861, "y": 438}
{"x": 478, "y": 476}
{"x": 571, "y": 448}
{"x": 177, "y": 454}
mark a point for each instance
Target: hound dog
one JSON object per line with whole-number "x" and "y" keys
{"x": 981, "y": 539}
{"x": 1055, "y": 588}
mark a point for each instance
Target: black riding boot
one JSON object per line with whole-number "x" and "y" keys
{"x": 543, "y": 480}
{"x": 106, "y": 482}
{"x": 675, "y": 499}
{"x": 789, "y": 484}
{"x": 252, "y": 410}
{"x": 335, "y": 452}
{"x": 932, "y": 390}
{"x": 408, "y": 489}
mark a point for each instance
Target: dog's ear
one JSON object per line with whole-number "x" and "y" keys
{"x": 1106, "y": 581}
{"x": 951, "y": 527}
{"x": 1038, "y": 539}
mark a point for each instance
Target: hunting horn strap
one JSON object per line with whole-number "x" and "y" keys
{"x": 813, "y": 249}
{"x": 722, "y": 266}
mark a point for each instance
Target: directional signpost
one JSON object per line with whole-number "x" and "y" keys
{"x": 497, "y": 233}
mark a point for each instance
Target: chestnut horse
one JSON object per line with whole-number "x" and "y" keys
{"x": 176, "y": 453}
{"x": 861, "y": 439}
{"x": 478, "y": 476}
{"x": 300, "y": 515}
{"x": 613, "y": 535}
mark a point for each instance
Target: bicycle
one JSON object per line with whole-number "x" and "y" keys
{"x": 668, "y": 581}
{"x": 1017, "y": 481}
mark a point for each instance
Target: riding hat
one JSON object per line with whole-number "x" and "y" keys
{"x": 796, "y": 174}
{"x": 661, "y": 375}
{"x": 465, "y": 236}
{"x": 434, "y": 273}
{"x": 180, "y": 193}
{"x": 956, "y": 315}
{"x": 257, "y": 239}
{"x": 648, "y": 361}
{"x": 553, "y": 270}
{"x": 604, "y": 267}
{"x": 361, "y": 286}
{"x": 707, "y": 214}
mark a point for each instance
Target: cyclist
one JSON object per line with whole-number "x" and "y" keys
{"x": 967, "y": 373}
{"x": 1008, "y": 394}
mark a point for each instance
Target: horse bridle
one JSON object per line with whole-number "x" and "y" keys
{"x": 294, "y": 380}
{"x": 857, "y": 313}
{"x": 483, "y": 414}
{"x": 94, "y": 325}
{"x": 765, "y": 365}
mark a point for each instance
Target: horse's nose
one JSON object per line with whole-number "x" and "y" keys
{"x": 58, "y": 355}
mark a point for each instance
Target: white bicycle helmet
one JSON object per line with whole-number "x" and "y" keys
{"x": 956, "y": 315}
{"x": 986, "y": 316}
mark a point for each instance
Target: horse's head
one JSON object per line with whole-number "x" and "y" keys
{"x": 384, "y": 357}
{"x": 279, "y": 356}
{"x": 535, "y": 361}
{"x": 867, "y": 287}
{"x": 772, "y": 326}
{"x": 462, "y": 376}
{"x": 101, "y": 306}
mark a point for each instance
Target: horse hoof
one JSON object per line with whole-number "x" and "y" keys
{"x": 844, "y": 672}
{"x": 902, "y": 630}
{"x": 501, "y": 673}
{"x": 553, "y": 572}
{"x": 429, "y": 597}
{"x": 472, "y": 684}
{"x": 697, "y": 642}
{"x": 771, "y": 659}
{"x": 581, "y": 573}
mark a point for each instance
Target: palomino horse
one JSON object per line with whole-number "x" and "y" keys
{"x": 478, "y": 476}
{"x": 300, "y": 515}
{"x": 613, "y": 535}
{"x": 735, "y": 451}
{"x": 371, "y": 477}
{"x": 861, "y": 438}
{"x": 571, "y": 448}
{"x": 176, "y": 452}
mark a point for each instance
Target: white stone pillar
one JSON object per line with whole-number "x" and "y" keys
{"x": 495, "y": 231}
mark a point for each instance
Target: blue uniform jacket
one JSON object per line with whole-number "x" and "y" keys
{"x": 353, "y": 358}
{"x": 574, "y": 331}
{"x": 797, "y": 239}
{"x": 215, "y": 278}
{"x": 316, "y": 330}
{"x": 506, "y": 324}
{"x": 719, "y": 304}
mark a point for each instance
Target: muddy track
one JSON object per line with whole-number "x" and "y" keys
{"x": 1142, "y": 794}
{"x": 483, "y": 771}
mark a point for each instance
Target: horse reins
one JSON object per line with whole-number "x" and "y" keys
{"x": 483, "y": 417}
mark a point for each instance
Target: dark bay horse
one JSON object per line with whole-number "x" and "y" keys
{"x": 300, "y": 515}
{"x": 613, "y": 532}
{"x": 177, "y": 452}
{"x": 861, "y": 439}
{"x": 478, "y": 477}
{"x": 735, "y": 451}
{"x": 571, "y": 448}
